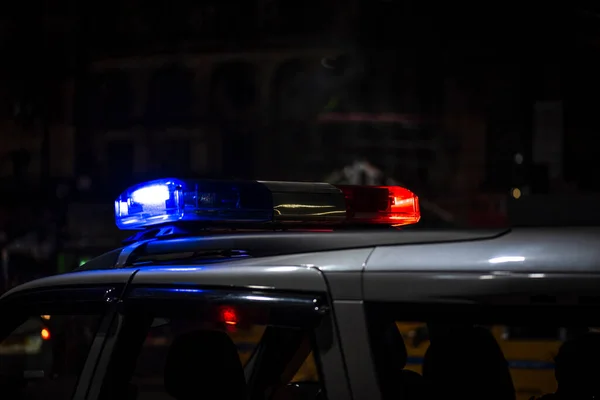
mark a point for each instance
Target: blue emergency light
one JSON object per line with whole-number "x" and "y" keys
{"x": 212, "y": 202}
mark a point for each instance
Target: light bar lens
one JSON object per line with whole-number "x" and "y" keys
{"x": 174, "y": 200}
{"x": 392, "y": 205}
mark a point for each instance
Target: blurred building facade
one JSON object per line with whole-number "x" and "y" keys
{"x": 120, "y": 92}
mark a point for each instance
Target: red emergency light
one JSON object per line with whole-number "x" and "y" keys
{"x": 391, "y": 205}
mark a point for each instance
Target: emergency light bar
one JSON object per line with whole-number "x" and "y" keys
{"x": 211, "y": 202}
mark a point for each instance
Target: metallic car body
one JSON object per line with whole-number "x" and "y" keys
{"x": 522, "y": 251}
{"x": 355, "y": 267}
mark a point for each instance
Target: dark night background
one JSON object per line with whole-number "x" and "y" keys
{"x": 471, "y": 105}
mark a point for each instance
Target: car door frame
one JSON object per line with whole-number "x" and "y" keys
{"x": 280, "y": 283}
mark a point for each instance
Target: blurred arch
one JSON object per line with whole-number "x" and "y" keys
{"x": 110, "y": 99}
{"x": 290, "y": 91}
{"x": 171, "y": 96}
{"x": 233, "y": 90}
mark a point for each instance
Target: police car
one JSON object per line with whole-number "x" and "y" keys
{"x": 276, "y": 290}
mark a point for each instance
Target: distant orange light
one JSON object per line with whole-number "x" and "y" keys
{"x": 45, "y": 334}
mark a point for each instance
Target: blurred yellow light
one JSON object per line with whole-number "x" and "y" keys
{"x": 45, "y": 334}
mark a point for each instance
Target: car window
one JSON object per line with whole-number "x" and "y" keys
{"x": 473, "y": 358}
{"x": 542, "y": 333}
{"x": 295, "y": 371}
{"x": 149, "y": 370}
{"x": 532, "y": 333}
{"x": 308, "y": 371}
{"x": 44, "y": 355}
{"x": 150, "y": 366}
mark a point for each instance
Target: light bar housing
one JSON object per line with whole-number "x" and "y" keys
{"x": 211, "y": 203}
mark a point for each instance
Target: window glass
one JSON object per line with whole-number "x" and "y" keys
{"x": 290, "y": 360}
{"x": 43, "y": 357}
{"x": 542, "y": 333}
{"x": 149, "y": 370}
{"x": 473, "y": 359}
{"x": 308, "y": 371}
{"x": 532, "y": 333}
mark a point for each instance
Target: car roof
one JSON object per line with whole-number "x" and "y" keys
{"x": 290, "y": 261}
{"x": 548, "y": 250}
